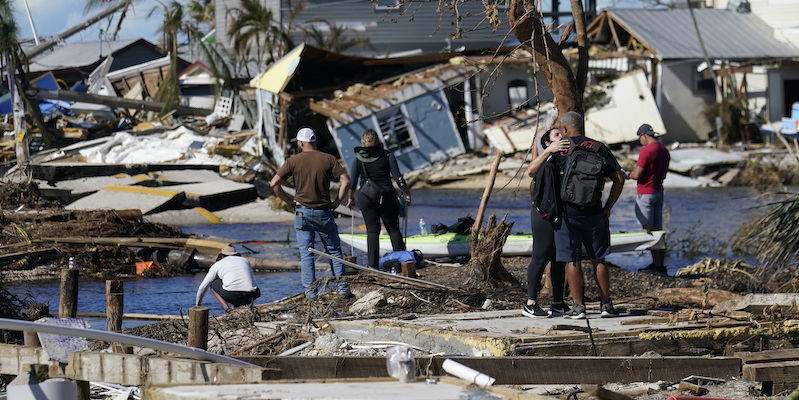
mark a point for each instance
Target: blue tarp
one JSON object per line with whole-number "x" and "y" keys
{"x": 46, "y": 81}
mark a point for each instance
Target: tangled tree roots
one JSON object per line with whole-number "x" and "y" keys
{"x": 486, "y": 261}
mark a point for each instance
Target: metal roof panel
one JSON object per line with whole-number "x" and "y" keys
{"x": 78, "y": 54}
{"x": 725, "y": 33}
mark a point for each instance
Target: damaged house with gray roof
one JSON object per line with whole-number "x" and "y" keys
{"x": 736, "y": 48}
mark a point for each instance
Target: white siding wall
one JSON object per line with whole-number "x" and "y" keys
{"x": 780, "y": 15}
{"x": 496, "y": 86}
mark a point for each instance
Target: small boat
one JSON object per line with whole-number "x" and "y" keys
{"x": 457, "y": 245}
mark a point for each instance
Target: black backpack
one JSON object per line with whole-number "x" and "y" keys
{"x": 583, "y": 175}
{"x": 546, "y": 192}
{"x": 463, "y": 226}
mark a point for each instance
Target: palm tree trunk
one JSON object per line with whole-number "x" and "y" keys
{"x": 121, "y": 18}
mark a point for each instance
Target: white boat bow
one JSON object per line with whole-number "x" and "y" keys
{"x": 455, "y": 245}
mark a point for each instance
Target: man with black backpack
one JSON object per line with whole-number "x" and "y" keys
{"x": 584, "y": 168}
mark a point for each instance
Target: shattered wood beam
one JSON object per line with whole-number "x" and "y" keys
{"x": 457, "y": 78}
{"x": 284, "y": 101}
{"x": 612, "y": 25}
{"x": 594, "y": 33}
{"x": 398, "y": 278}
{"x": 513, "y": 370}
{"x": 359, "y": 101}
{"x": 414, "y": 79}
{"x": 342, "y": 109}
{"x": 111, "y": 101}
{"x": 379, "y": 94}
{"x": 478, "y": 223}
{"x": 318, "y": 108}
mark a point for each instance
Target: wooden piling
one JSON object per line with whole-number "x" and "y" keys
{"x": 114, "y": 301}
{"x": 114, "y": 306}
{"x": 68, "y": 302}
{"x": 198, "y": 327}
{"x": 409, "y": 269}
{"x": 350, "y": 270}
{"x": 31, "y": 339}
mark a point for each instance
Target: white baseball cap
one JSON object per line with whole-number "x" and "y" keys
{"x": 305, "y": 135}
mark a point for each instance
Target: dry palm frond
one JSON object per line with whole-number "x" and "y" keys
{"x": 775, "y": 236}
{"x": 22, "y": 233}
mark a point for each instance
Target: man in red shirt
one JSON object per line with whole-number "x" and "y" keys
{"x": 653, "y": 163}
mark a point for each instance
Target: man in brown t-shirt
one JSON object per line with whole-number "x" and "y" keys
{"x": 313, "y": 171}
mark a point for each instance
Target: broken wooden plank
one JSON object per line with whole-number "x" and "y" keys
{"x": 399, "y": 278}
{"x": 514, "y": 370}
{"x": 782, "y": 371}
{"x": 14, "y": 256}
{"x": 319, "y": 107}
{"x": 139, "y": 316}
{"x": 765, "y": 356}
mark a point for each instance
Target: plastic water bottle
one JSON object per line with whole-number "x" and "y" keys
{"x": 422, "y": 227}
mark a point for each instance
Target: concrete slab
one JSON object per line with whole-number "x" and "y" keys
{"x": 90, "y": 184}
{"x": 188, "y": 176}
{"x": 190, "y": 216}
{"x": 445, "y": 389}
{"x": 494, "y": 333}
{"x": 258, "y": 211}
{"x": 757, "y": 302}
{"x": 135, "y": 370}
{"x": 148, "y": 200}
{"x": 14, "y": 358}
{"x": 215, "y": 195}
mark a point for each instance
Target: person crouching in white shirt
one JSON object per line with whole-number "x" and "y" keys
{"x": 231, "y": 280}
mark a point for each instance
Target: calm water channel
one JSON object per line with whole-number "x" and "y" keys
{"x": 700, "y": 221}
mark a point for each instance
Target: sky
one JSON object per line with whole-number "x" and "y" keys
{"x": 51, "y": 17}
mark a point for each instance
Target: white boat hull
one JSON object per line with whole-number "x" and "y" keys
{"x": 452, "y": 245}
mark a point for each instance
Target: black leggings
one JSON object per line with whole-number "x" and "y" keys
{"x": 543, "y": 254}
{"x": 386, "y": 208}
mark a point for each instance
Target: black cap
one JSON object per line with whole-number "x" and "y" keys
{"x": 646, "y": 129}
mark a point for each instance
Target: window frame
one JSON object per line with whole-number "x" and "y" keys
{"x": 515, "y": 84}
{"x": 383, "y": 5}
{"x": 383, "y": 116}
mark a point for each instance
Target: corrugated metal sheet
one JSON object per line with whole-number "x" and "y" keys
{"x": 412, "y": 25}
{"x": 77, "y": 54}
{"x": 726, "y": 34}
{"x": 415, "y": 25}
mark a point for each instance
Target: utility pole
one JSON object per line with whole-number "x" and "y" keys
{"x": 21, "y": 137}
{"x": 30, "y": 20}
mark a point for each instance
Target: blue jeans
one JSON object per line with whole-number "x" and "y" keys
{"x": 307, "y": 223}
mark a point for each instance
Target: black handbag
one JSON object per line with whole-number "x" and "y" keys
{"x": 370, "y": 189}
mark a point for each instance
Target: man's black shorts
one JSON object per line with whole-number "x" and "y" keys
{"x": 572, "y": 234}
{"x": 235, "y": 297}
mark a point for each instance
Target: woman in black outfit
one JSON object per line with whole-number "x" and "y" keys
{"x": 378, "y": 165}
{"x": 544, "y": 240}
